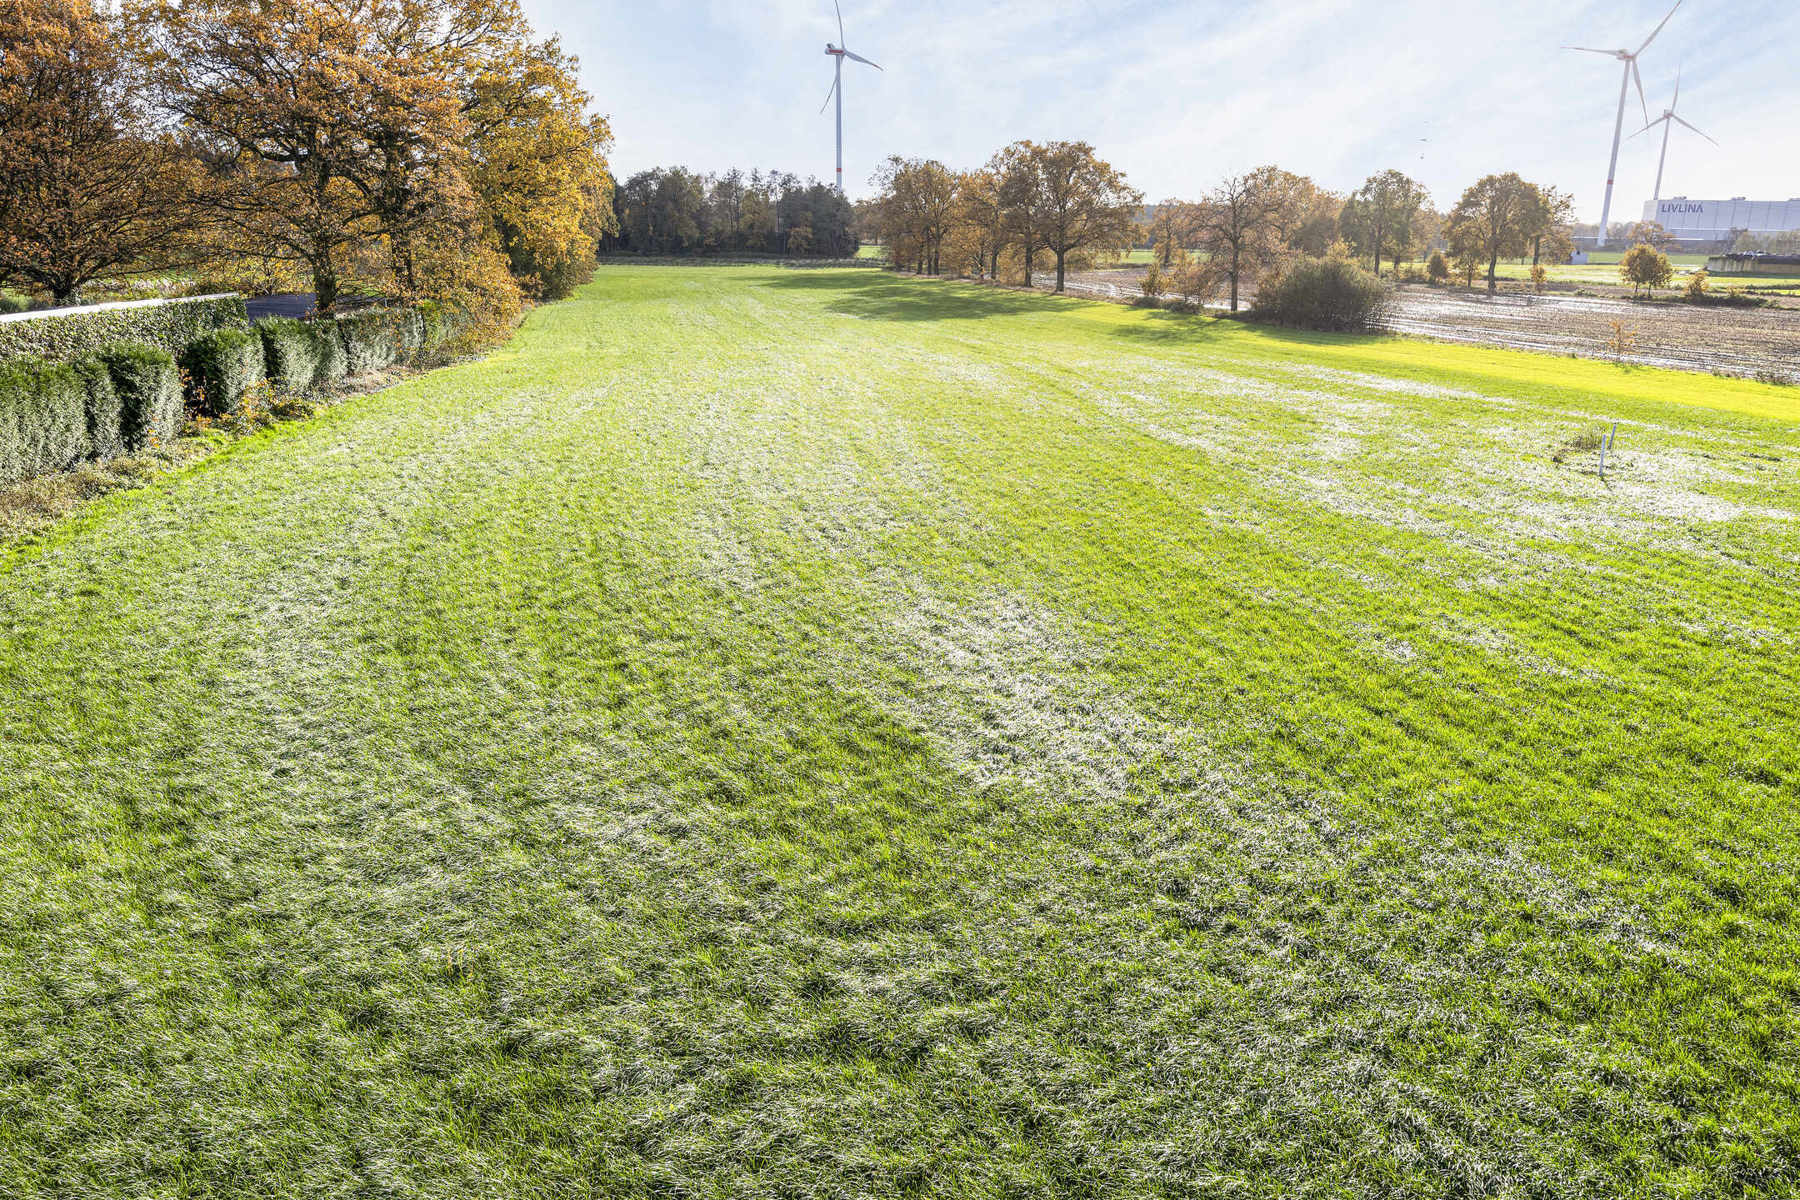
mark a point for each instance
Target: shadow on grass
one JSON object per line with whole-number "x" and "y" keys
{"x": 887, "y": 297}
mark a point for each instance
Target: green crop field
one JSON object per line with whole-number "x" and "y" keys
{"x": 817, "y": 733}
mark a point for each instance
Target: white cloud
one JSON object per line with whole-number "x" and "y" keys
{"x": 1180, "y": 93}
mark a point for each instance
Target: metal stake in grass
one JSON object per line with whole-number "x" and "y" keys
{"x": 1605, "y": 445}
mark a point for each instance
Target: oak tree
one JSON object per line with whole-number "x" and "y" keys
{"x": 1495, "y": 218}
{"x": 1380, "y": 218}
{"x": 89, "y": 188}
{"x": 1246, "y": 222}
{"x": 1082, "y": 202}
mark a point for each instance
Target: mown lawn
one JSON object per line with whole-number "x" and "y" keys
{"x": 811, "y": 733}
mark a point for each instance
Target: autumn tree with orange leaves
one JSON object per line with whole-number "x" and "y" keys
{"x": 434, "y": 131}
{"x": 89, "y": 189}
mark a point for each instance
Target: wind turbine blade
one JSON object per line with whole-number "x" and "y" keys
{"x": 840, "y": 13}
{"x": 859, "y": 58}
{"x": 1697, "y": 130}
{"x": 1648, "y": 128}
{"x": 1639, "y": 80}
{"x": 828, "y": 95}
{"x": 1676, "y": 103}
{"x": 1657, "y": 30}
{"x": 1594, "y": 50}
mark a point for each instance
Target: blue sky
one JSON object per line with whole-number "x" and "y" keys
{"x": 1181, "y": 92}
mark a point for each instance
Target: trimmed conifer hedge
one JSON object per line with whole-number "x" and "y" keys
{"x": 375, "y": 339}
{"x": 301, "y": 355}
{"x": 222, "y": 367}
{"x": 148, "y": 385}
{"x": 104, "y": 438}
{"x": 43, "y": 418}
{"x": 65, "y": 334}
{"x": 124, "y": 395}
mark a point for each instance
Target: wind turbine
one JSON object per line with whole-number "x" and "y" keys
{"x": 1629, "y": 58}
{"x": 1667, "y": 121}
{"x": 839, "y": 54}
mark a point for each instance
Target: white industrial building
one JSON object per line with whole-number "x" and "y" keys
{"x": 1717, "y": 222}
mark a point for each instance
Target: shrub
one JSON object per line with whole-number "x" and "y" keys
{"x": 1154, "y": 283}
{"x": 1697, "y": 284}
{"x": 63, "y": 335}
{"x": 301, "y": 355}
{"x": 1622, "y": 342}
{"x": 373, "y": 340}
{"x": 104, "y": 438}
{"x": 43, "y": 419}
{"x": 148, "y": 385}
{"x": 1197, "y": 281}
{"x": 1323, "y": 293}
{"x": 444, "y": 324}
{"x": 411, "y": 322}
{"x": 1437, "y": 268}
{"x": 222, "y": 366}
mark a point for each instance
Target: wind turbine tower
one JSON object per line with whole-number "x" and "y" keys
{"x": 1629, "y": 58}
{"x": 1668, "y": 121}
{"x": 839, "y": 54}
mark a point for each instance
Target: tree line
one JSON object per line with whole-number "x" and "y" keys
{"x": 401, "y": 147}
{"x": 1034, "y": 207}
{"x": 671, "y": 210}
{"x": 1054, "y": 201}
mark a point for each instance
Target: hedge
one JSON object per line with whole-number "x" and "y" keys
{"x": 222, "y": 366}
{"x": 378, "y": 338}
{"x": 61, "y": 335}
{"x": 104, "y": 438}
{"x": 122, "y": 395}
{"x": 441, "y": 324}
{"x": 149, "y": 389}
{"x": 43, "y": 418}
{"x": 301, "y": 355}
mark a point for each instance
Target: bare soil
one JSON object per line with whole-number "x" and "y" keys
{"x": 1735, "y": 341}
{"x": 1751, "y": 342}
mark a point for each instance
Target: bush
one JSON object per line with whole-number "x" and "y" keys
{"x": 443, "y": 324}
{"x": 104, "y": 438}
{"x": 1155, "y": 283}
{"x": 376, "y": 340}
{"x": 222, "y": 366}
{"x": 62, "y": 335}
{"x": 43, "y": 419}
{"x": 1697, "y": 285}
{"x": 301, "y": 355}
{"x": 1323, "y": 293}
{"x": 1437, "y": 269}
{"x": 148, "y": 386}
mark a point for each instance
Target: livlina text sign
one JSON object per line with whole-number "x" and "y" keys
{"x": 1682, "y": 206}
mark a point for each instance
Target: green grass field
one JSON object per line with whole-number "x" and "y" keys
{"x": 1602, "y": 269}
{"x": 816, "y": 733}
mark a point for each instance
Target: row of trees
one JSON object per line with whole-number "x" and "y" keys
{"x": 1054, "y": 199}
{"x": 675, "y": 211}
{"x": 413, "y": 147}
{"x": 1060, "y": 202}
{"x": 1259, "y": 219}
